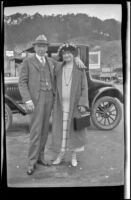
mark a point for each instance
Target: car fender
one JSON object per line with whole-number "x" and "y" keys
{"x": 13, "y": 105}
{"x": 108, "y": 91}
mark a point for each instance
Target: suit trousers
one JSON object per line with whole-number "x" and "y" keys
{"x": 39, "y": 126}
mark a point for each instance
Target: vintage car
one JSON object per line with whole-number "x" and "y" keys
{"x": 104, "y": 98}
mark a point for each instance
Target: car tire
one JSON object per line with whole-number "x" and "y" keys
{"x": 8, "y": 117}
{"x": 106, "y": 113}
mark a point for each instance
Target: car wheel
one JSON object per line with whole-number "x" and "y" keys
{"x": 106, "y": 113}
{"x": 8, "y": 117}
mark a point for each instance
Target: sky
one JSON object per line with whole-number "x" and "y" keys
{"x": 102, "y": 11}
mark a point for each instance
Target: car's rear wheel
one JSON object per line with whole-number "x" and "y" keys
{"x": 106, "y": 113}
{"x": 8, "y": 117}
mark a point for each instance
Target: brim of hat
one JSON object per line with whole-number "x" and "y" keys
{"x": 70, "y": 48}
{"x": 40, "y": 42}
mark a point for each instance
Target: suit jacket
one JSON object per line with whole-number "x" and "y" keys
{"x": 29, "y": 80}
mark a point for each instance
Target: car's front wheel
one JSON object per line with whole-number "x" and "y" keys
{"x": 106, "y": 113}
{"x": 8, "y": 117}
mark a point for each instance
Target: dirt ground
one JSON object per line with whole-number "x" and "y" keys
{"x": 102, "y": 163}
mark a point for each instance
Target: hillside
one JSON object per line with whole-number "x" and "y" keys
{"x": 22, "y": 29}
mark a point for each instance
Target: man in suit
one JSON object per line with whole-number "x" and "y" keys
{"x": 36, "y": 85}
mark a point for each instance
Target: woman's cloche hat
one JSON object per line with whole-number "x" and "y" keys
{"x": 41, "y": 39}
{"x": 67, "y": 47}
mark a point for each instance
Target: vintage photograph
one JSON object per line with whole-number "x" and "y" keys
{"x": 64, "y": 99}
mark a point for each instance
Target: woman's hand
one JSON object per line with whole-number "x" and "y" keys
{"x": 82, "y": 109}
{"x": 79, "y": 63}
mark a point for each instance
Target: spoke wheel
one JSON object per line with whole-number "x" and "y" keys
{"x": 106, "y": 113}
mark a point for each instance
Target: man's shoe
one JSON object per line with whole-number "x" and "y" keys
{"x": 43, "y": 162}
{"x": 30, "y": 170}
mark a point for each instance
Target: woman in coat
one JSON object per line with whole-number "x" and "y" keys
{"x": 71, "y": 98}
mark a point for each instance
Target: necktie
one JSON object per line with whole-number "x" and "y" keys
{"x": 43, "y": 61}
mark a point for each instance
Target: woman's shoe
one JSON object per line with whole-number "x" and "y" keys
{"x": 74, "y": 160}
{"x": 59, "y": 159}
{"x": 31, "y": 169}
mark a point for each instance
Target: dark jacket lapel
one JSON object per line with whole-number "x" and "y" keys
{"x": 36, "y": 63}
{"x": 74, "y": 86}
{"x": 59, "y": 82}
{"x": 50, "y": 65}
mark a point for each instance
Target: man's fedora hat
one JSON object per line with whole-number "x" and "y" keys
{"x": 41, "y": 39}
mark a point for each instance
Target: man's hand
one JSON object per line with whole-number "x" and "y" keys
{"x": 30, "y": 106}
{"x": 79, "y": 63}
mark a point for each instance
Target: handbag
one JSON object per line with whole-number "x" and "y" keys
{"x": 82, "y": 121}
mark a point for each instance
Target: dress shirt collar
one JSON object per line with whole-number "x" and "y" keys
{"x": 39, "y": 58}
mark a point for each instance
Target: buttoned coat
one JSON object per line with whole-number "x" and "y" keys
{"x": 79, "y": 96}
{"x": 29, "y": 80}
